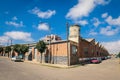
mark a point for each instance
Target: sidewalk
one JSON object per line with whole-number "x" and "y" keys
{"x": 52, "y": 65}
{"x": 48, "y": 64}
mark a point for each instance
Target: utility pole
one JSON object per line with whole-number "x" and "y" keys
{"x": 49, "y": 45}
{"x": 11, "y": 48}
{"x": 7, "y": 42}
{"x": 67, "y": 33}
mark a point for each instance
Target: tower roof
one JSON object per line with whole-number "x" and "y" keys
{"x": 75, "y": 25}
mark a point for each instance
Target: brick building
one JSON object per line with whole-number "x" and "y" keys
{"x": 67, "y": 52}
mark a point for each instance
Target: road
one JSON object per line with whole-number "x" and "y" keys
{"x": 107, "y": 70}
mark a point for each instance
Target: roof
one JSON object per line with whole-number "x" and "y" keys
{"x": 90, "y": 39}
{"x": 85, "y": 40}
{"x": 75, "y": 25}
{"x": 61, "y": 41}
{"x": 96, "y": 43}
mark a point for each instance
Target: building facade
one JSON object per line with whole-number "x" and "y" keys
{"x": 69, "y": 52}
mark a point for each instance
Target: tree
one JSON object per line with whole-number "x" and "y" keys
{"x": 1, "y": 50}
{"x": 21, "y": 49}
{"x": 24, "y": 49}
{"x": 41, "y": 46}
{"x": 7, "y": 50}
{"x": 17, "y": 48}
{"x": 119, "y": 57}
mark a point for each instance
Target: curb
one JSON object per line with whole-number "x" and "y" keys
{"x": 53, "y": 65}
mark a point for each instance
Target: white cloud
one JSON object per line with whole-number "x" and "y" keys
{"x": 112, "y": 47}
{"x": 12, "y": 23}
{"x": 79, "y": 11}
{"x": 19, "y": 35}
{"x": 103, "y": 2}
{"x": 43, "y": 26}
{"x": 93, "y": 33}
{"x": 109, "y": 31}
{"x": 96, "y": 22}
{"x": 15, "y": 18}
{"x": 41, "y": 14}
{"x": 82, "y": 22}
{"x": 83, "y": 8}
{"x": 4, "y": 39}
{"x": 104, "y": 15}
{"x": 42, "y": 38}
{"x": 113, "y": 25}
{"x": 112, "y": 21}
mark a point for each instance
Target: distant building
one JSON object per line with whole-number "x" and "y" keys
{"x": 52, "y": 38}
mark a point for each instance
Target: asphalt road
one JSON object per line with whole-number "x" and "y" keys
{"x": 107, "y": 70}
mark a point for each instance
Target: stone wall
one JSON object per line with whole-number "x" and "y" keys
{"x": 59, "y": 60}
{"x": 54, "y": 59}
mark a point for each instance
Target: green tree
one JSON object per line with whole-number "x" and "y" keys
{"x": 1, "y": 50}
{"x": 119, "y": 57}
{"x": 41, "y": 46}
{"x": 23, "y": 50}
{"x": 7, "y": 50}
{"x": 17, "y": 48}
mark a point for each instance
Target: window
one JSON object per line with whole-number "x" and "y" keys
{"x": 74, "y": 49}
{"x": 85, "y": 50}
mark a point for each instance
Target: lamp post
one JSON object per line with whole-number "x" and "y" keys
{"x": 67, "y": 33}
{"x": 11, "y": 48}
{"x": 49, "y": 45}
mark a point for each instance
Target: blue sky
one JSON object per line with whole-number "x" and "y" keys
{"x": 26, "y": 21}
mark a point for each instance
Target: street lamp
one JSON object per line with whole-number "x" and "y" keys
{"x": 67, "y": 33}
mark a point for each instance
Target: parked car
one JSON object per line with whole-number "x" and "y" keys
{"x": 16, "y": 58}
{"x": 96, "y": 60}
{"x": 109, "y": 57}
{"x": 103, "y": 58}
{"x": 99, "y": 58}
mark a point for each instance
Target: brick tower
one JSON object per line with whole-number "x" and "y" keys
{"x": 74, "y": 33}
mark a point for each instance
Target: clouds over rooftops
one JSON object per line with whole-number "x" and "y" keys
{"x": 43, "y": 26}
{"x": 112, "y": 47}
{"x": 92, "y": 32}
{"x": 16, "y": 35}
{"x": 96, "y": 22}
{"x": 19, "y": 35}
{"x": 3, "y": 39}
{"x": 113, "y": 25}
{"x": 109, "y": 26}
{"x": 112, "y": 21}
{"x": 45, "y": 15}
{"x": 104, "y": 15}
{"x": 14, "y": 22}
{"x": 83, "y": 8}
{"x": 82, "y": 22}
{"x": 108, "y": 31}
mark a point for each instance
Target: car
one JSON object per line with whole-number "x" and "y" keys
{"x": 16, "y": 58}
{"x": 99, "y": 58}
{"x": 95, "y": 61}
{"x": 109, "y": 57}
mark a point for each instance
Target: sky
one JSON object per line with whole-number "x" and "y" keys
{"x": 27, "y": 21}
